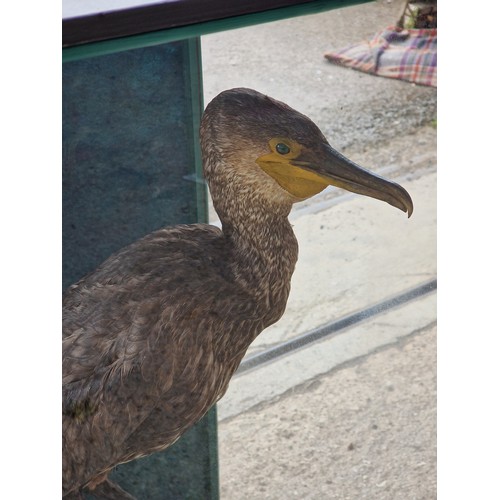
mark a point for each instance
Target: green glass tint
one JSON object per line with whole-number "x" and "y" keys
{"x": 131, "y": 164}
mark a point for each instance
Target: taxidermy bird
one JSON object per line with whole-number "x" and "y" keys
{"x": 152, "y": 337}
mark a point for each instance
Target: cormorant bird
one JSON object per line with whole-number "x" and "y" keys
{"x": 152, "y": 336}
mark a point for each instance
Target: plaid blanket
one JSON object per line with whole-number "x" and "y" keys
{"x": 406, "y": 54}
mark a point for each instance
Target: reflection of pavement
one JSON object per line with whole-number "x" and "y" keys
{"x": 352, "y": 416}
{"x": 365, "y": 431}
{"x": 286, "y": 60}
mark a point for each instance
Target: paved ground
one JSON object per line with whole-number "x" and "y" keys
{"x": 285, "y": 59}
{"x": 367, "y": 430}
{"x": 354, "y": 415}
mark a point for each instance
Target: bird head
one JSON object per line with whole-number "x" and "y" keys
{"x": 289, "y": 149}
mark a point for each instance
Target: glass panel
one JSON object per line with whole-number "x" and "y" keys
{"x": 354, "y": 253}
{"x": 129, "y": 164}
{"x": 129, "y": 167}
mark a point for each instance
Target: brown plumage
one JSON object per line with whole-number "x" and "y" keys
{"x": 152, "y": 337}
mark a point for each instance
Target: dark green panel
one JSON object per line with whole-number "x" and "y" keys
{"x": 130, "y": 161}
{"x": 128, "y": 155}
{"x": 181, "y": 473}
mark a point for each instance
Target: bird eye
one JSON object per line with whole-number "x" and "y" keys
{"x": 282, "y": 149}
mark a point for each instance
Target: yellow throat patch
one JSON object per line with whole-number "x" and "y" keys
{"x": 297, "y": 181}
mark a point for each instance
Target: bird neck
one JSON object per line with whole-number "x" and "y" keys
{"x": 262, "y": 245}
{"x": 263, "y": 252}
{"x": 259, "y": 245}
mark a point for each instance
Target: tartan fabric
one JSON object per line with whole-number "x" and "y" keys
{"x": 406, "y": 54}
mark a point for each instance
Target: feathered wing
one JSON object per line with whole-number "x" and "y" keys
{"x": 121, "y": 354}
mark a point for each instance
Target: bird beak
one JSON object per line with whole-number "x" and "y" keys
{"x": 337, "y": 170}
